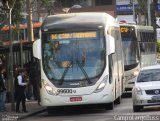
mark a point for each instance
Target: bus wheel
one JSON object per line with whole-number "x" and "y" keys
{"x": 50, "y": 110}
{"x": 118, "y": 100}
{"x": 137, "y": 108}
{"x": 110, "y": 106}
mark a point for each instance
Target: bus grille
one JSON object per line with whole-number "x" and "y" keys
{"x": 153, "y": 92}
{"x": 153, "y": 101}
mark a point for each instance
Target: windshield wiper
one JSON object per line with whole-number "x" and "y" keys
{"x": 64, "y": 74}
{"x": 84, "y": 72}
{"x": 67, "y": 68}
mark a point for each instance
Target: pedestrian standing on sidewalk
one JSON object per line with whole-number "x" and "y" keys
{"x": 2, "y": 89}
{"x": 20, "y": 85}
{"x": 33, "y": 77}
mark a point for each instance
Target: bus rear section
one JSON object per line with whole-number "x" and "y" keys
{"x": 81, "y": 61}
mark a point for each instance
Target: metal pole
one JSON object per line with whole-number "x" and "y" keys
{"x": 149, "y": 12}
{"x": 30, "y": 25}
{"x": 21, "y": 45}
{"x": 21, "y": 52}
{"x": 133, "y": 7}
{"x": 11, "y": 54}
{"x": 11, "y": 62}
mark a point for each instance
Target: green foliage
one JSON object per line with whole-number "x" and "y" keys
{"x": 47, "y": 4}
{"x": 153, "y": 14}
{"x": 8, "y": 3}
{"x": 17, "y": 8}
{"x": 158, "y": 47}
{"x": 143, "y": 5}
{"x": 16, "y": 16}
{"x": 43, "y": 2}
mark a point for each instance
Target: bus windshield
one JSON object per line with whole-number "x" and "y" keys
{"x": 130, "y": 48}
{"x": 73, "y": 56}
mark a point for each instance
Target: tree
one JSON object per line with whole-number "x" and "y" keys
{"x": 3, "y": 13}
{"x": 154, "y": 7}
{"x": 17, "y": 9}
{"x": 38, "y": 5}
{"x": 6, "y": 4}
{"x": 142, "y": 9}
{"x": 16, "y": 6}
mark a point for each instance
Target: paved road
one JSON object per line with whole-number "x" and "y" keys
{"x": 122, "y": 112}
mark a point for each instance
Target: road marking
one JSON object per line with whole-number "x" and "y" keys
{"x": 67, "y": 120}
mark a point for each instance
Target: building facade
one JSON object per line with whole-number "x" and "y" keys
{"x": 108, "y": 6}
{"x": 127, "y": 9}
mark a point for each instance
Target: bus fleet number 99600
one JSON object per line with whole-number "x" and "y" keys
{"x": 66, "y": 91}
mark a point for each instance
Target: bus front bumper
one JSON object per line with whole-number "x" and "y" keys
{"x": 94, "y": 98}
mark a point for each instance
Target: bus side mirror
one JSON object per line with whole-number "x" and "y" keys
{"x": 110, "y": 45}
{"x": 37, "y": 49}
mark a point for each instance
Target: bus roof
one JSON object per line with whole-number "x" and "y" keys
{"x": 77, "y": 20}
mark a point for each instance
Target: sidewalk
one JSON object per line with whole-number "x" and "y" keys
{"x": 32, "y": 108}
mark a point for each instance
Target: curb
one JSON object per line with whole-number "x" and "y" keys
{"x": 31, "y": 114}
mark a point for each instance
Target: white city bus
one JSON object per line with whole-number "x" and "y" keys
{"x": 81, "y": 60}
{"x": 139, "y": 46}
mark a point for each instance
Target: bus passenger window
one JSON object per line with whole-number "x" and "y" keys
{"x": 142, "y": 47}
{"x": 110, "y": 62}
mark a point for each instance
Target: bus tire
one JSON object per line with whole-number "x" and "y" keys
{"x": 110, "y": 106}
{"x": 118, "y": 100}
{"x": 137, "y": 108}
{"x": 50, "y": 110}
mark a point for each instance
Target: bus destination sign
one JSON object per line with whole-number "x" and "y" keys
{"x": 124, "y": 29}
{"x": 74, "y": 35}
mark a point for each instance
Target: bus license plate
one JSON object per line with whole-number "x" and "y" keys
{"x": 75, "y": 99}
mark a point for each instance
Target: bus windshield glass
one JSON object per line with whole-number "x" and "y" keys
{"x": 130, "y": 47}
{"x": 72, "y": 56}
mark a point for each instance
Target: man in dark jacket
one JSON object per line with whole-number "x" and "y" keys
{"x": 20, "y": 85}
{"x": 2, "y": 90}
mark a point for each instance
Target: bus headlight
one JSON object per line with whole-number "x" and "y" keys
{"x": 50, "y": 90}
{"x": 101, "y": 85}
{"x": 136, "y": 73}
{"x": 138, "y": 91}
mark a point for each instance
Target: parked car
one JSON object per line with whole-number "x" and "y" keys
{"x": 146, "y": 91}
